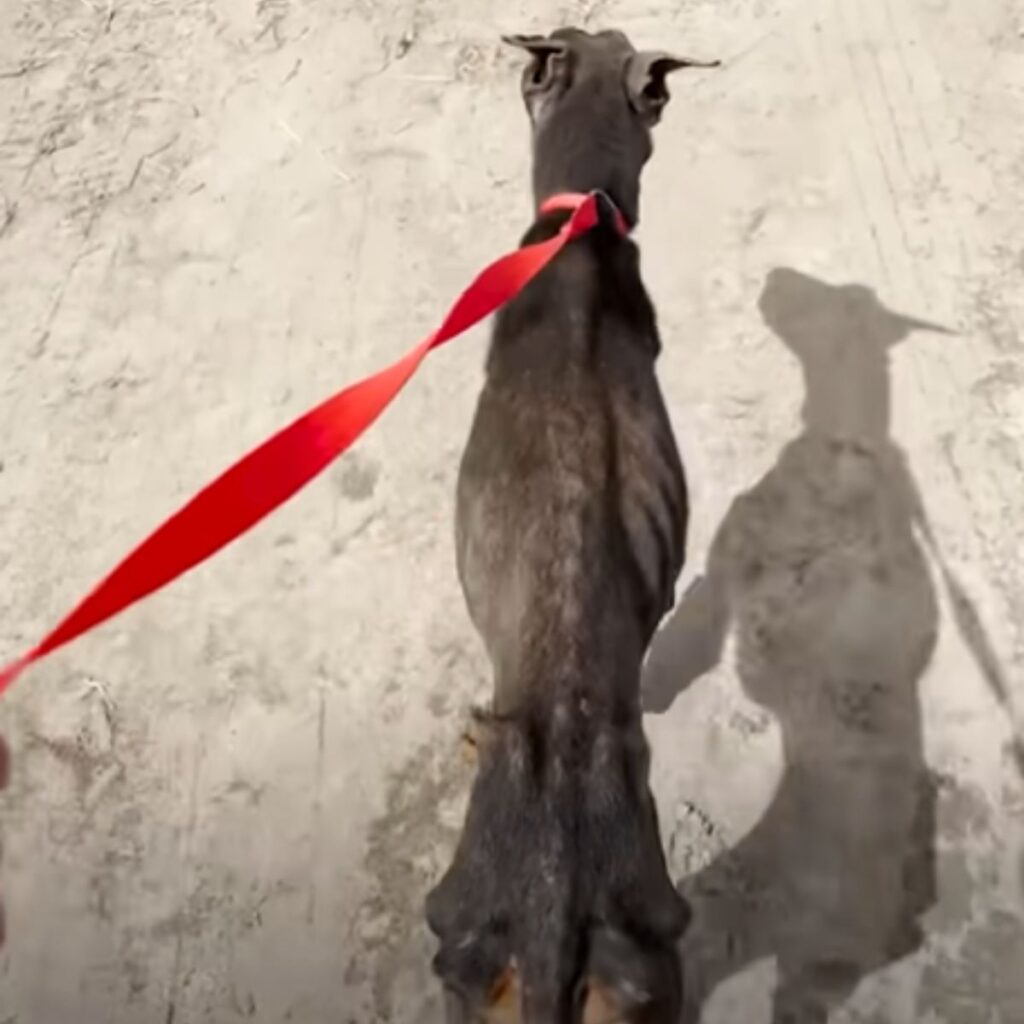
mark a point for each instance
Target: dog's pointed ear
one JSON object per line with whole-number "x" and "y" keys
{"x": 549, "y": 67}
{"x": 537, "y": 46}
{"x": 646, "y": 75}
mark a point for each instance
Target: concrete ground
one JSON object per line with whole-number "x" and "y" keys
{"x": 228, "y": 804}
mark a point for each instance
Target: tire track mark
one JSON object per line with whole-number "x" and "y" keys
{"x": 948, "y": 379}
{"x": 911, "y": 88}
{"x": 872, "y": 125}
{"x": 317, "y": 809}
{"x": 976, "y": 363}
{"x": 828, "y": 79}
{"x": 188, "y": 852}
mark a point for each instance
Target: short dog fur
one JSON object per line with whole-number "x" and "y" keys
{"x": 571, "y": 522}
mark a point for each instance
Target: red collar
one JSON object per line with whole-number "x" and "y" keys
{"x": 572, "y": 201}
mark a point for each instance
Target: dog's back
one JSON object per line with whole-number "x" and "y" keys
{"x": 571, "y": 500}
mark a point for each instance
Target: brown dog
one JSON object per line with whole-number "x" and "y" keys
{"x": 571, "y": 521}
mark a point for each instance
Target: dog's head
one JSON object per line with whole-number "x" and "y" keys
{"x": 558, "y": 907}
{"x": 593, "y": 100}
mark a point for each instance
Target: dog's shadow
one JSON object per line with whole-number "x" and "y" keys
{"x": 821, "y": 571}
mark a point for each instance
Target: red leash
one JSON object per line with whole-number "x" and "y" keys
{"x": 270, "y": 474}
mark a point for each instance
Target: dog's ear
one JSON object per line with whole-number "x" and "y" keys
{"x": 646, "y": 80}
{"x": 549, "y": 67}
{"x": 537, "y": 46}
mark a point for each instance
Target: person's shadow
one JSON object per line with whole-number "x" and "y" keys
{"x": 821, "y": 571}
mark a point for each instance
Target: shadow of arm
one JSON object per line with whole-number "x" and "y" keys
{"x": 688, "y": 645}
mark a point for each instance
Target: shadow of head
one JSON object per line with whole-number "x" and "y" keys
{"x": 842, "y": 335}
{"x": 807, "y": 313}
{"x": 593, "y": 100}
{"x": 558, "y": 907}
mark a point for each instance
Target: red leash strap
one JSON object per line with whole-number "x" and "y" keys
{"x": 270, "y": 474}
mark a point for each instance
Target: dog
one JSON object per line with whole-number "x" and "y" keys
{"x": 570, "y": 535}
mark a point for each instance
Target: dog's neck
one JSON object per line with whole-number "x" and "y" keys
{"x": 592, "y": 148}
{"x": 598, "y": 273}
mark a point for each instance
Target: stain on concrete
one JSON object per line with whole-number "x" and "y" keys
{"x": 977, "y": 979}
{"x": 965, "y": 812}
{"x": 408, "y": 847}
{"x": 957, "y": 881}
{"x": 356, "y": 477}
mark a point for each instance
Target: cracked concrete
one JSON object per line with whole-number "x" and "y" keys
{"x": 228, "y": 804}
